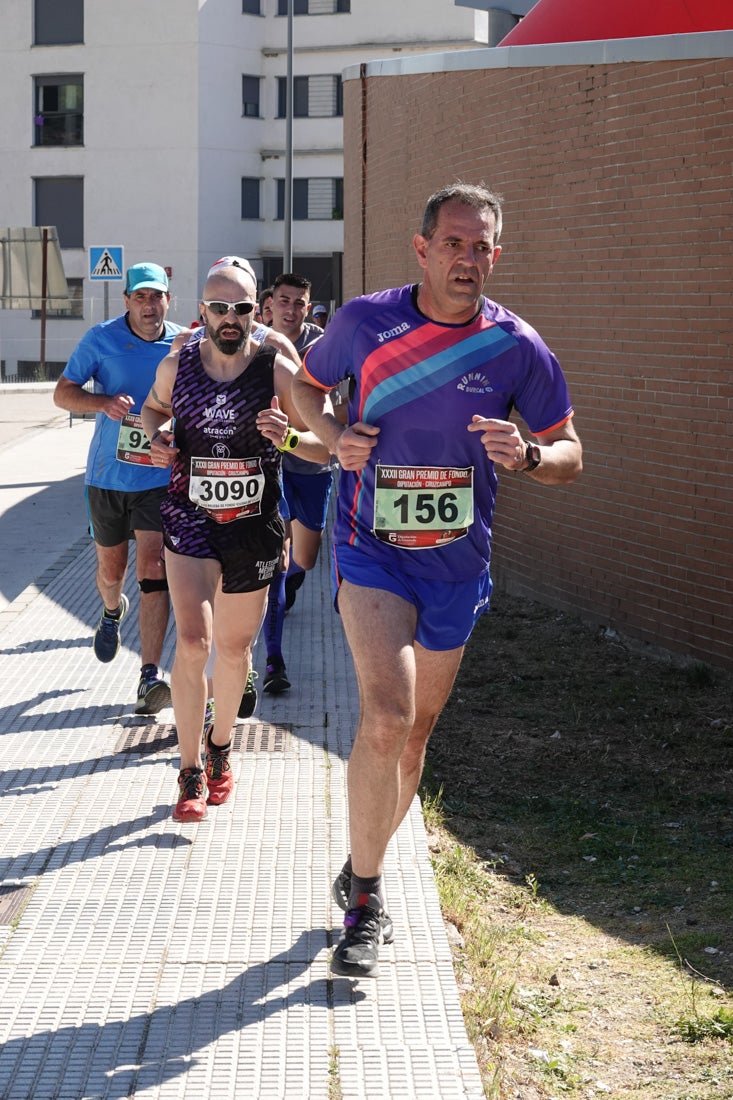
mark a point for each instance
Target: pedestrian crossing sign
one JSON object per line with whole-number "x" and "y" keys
{"x": 106, "y": 263}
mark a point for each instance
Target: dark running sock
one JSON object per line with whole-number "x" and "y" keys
{"x": 361, "y": 888}
{"x": 213, "y": 744}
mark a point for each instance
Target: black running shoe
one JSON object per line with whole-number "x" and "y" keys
{"x": 357, "y": 952}
{"x": 275, "y": 680}
{"x": 341, "y": 891}
{"x": 249, "y": 698}
{"x": 292, "y": 584}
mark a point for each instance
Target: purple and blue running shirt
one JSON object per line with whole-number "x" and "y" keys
{"x": 424, "y": 502}
{"x": 225, "y": 468}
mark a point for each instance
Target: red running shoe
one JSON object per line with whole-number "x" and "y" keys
{"x": 191, "y": 805}
{"x": 219, "y": 778}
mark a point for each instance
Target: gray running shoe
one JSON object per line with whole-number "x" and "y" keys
{"x": 153, "y": 694}
{"x": 107, "y": 637}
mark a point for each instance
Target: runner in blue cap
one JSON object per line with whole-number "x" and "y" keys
{"x": 123, "y": 489}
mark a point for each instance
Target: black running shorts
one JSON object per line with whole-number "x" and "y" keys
{"x": 114, "y": 515}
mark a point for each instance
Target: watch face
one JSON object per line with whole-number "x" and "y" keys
{"x": 534, "y": 456}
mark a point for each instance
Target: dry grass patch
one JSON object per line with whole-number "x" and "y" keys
{"x": 581, "y": 826}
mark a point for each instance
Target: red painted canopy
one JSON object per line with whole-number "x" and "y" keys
{"x": 590, "y": 20}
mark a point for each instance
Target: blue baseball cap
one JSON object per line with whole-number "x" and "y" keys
{"x": 146, "y": 276}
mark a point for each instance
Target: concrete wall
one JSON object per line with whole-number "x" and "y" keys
{"x": 619, "y": 219}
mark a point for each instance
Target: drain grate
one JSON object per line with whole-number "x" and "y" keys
{"x": 142, "y": 740}
{"x": 250, "y": 737}
{"x": 262, "y": 737}
{"x": 13, "y": 900}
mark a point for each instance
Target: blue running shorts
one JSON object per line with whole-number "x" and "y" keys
{"x": 307, "y": 497}
{"x": 447, "y": 611}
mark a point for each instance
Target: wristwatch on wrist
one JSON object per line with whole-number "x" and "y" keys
{"x": 292, "y": 439}
{"x": 532, "y": 455}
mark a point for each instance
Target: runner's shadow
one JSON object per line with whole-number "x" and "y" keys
{"x": 123, "y": 1058}
{"x": 28, "y": 550}
{"x": 40, "y": 645}
{"x": 18, "y": 720}
{"x": 20, "y": 717}
{"x": 32, "y": 862}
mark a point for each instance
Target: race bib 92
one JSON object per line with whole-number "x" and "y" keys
{"x": 132, "y": 443}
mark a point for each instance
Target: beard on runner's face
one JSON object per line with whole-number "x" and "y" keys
{"x": 230, "y": 345}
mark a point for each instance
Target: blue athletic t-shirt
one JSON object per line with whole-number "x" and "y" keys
{"x": 424, "y": 502}
{"x": 119, "y": 362}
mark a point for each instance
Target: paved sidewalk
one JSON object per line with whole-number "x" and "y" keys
{"x": 42, "y": 463}
{"x": 141, "y": 957}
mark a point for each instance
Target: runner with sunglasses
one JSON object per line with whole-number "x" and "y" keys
{"x": 220, "y": 414}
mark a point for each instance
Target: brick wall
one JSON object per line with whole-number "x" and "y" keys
{"x": 617, "y": 248}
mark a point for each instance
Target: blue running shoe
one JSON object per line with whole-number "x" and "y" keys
{"x": 107, "y": 637}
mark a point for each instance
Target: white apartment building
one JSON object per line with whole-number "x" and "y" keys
{"x": 159, "y": 126}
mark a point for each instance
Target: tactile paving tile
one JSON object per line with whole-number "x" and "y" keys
{"x": 157, "y": 959}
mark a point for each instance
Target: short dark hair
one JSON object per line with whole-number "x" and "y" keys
{"x": 264, "y": 295}
{"x": 476, "y": 195}
{"x": 291, "y": 279}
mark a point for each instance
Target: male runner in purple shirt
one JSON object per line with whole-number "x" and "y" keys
{"x": 435, "y": 370}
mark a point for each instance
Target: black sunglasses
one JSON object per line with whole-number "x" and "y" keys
{"x": 222, "y": 308}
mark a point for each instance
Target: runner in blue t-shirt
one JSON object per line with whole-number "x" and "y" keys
{"x": 434, "y": 370}
{"x": 123, "y": 488}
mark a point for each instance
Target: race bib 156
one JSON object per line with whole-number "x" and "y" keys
{"x": 420, "y": 507}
